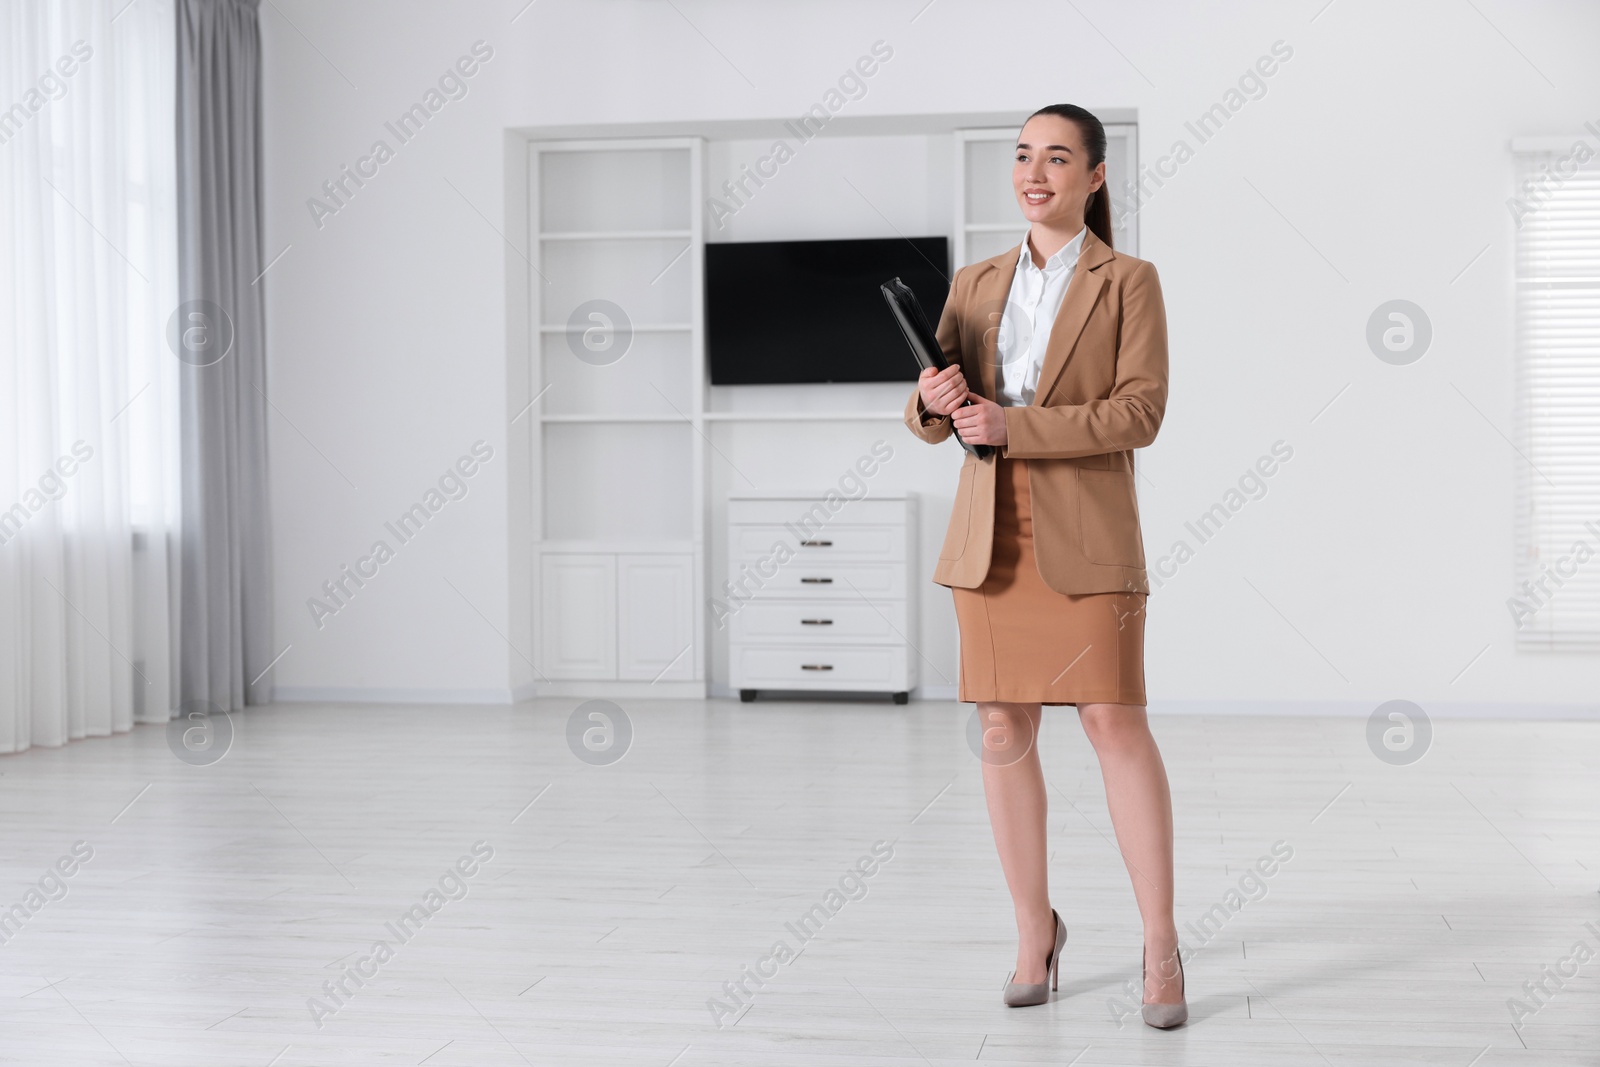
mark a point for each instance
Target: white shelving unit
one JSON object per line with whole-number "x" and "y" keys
{"x": 618, "y": 460}
{"x": 624, "y": 448}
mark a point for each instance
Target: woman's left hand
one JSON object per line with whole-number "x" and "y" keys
{"x": 983, "y": 422}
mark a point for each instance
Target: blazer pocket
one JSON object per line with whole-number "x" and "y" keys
{"x": 955, "y": 536}
{"x": 1108, "y": 518}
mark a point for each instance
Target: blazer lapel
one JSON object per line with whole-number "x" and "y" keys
{"x": 991, "y": 292}
{"x": 1082, "y": 293}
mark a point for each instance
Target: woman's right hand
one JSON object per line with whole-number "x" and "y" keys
{"x": 942, "y": 391}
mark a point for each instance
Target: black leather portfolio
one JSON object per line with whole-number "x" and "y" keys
{"x": 923, "y": 341}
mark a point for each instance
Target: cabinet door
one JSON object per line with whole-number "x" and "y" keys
{"x": 577, "y": 616}
{"x": 655, "y": 618}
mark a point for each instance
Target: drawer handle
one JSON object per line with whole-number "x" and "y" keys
{"x": 816, "y": 544}
{"x": 816, "y": 666}
{"x": 817, "y": 581}
{"x": 816, "y": 622}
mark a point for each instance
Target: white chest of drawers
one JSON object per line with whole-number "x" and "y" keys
{"x": 819, "y": 599}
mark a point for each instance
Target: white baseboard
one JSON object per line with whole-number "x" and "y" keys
{"x": 611, "y": 689}
{"x": 334, "y": 694}
{"x": 1345, "y": 709}
{"x": 946, "y": 694}
{"x": 1455, "y": 709}
{"x": 1441, "y": 709}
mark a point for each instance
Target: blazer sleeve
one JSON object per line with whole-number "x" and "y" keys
{"x": 922, "y": 422}
{"x": 1131, "y": 415}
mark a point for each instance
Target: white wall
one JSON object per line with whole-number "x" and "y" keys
{"x": 1374, "y": 167}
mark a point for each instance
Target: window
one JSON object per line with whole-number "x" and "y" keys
{"x": 1556, "y": 211}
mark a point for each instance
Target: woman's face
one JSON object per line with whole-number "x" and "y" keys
{"x": 1051, "y": 177}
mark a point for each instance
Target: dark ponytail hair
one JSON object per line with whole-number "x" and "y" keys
{"x": 1097, "y": 213}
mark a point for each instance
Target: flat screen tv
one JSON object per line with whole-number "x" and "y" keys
{"x": 782, "y": 312}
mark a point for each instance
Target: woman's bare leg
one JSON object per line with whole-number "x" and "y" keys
{"x": 1141, "y": 813}
{"x": 1013, "y": 785}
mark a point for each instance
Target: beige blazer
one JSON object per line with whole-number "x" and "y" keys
{"x": 1102, "y": 392}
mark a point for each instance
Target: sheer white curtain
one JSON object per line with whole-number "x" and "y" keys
{"x": 88, "y": 382}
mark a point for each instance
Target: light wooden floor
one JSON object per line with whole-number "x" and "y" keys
{"x": 219, "y": 898}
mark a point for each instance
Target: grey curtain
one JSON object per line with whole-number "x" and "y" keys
{"x": 217, "y": 332}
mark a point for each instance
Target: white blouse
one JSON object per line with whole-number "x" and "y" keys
{"x": 1030, "y": 312}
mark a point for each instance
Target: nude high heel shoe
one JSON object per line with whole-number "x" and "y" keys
{"x": 1024, "y": 994}
{"x": 1165, "y": 1016}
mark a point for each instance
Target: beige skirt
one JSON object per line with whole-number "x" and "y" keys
{"x": 1025, "y": 643}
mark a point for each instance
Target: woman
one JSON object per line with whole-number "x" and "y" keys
{"x": 1043, "y": 553}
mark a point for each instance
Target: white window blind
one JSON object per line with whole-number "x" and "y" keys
{"x": 1557, "y": 209}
